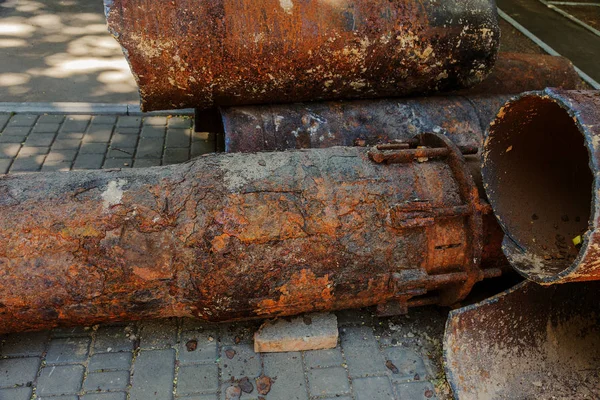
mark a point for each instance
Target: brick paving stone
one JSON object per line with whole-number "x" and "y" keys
{"x": 104, "y": 396}
{"x": 197, "y": 379}
{"x": 66, "y": 144}
{"x": 56, "y": 165}
{"x": 26, "y": 151}
{"x": 50, "y": 119}
{"x": 202, "y": 349}
{"x": 374, "y": 388}
{"x": 129, "y": 122}
{"x": 21, "y": 393}
{"x": 112, "y": 339}
{"x": 212, "y": 396}
{"x": 362, "y": 351}
{"x": 158, "y": 333}
{"x": 328, "y": 381}
{"x": 70, "y": 136}
{"x": 179, "y": 122}
{"x": 21, "y": 131}
{"x": 71, "y": 397}
{"x": 149, "y": 148}
{"x": 24, "y": 344}
{"x": 287, "y": 368}
{"x": 120, "y": 140}
{"x": 18, "y": 371}
{"x": 5, "y": 164}
{"x": 27, "y": 163}
{"x": 110, "y": 361}
{"x": 98, "y": 134}
{"x": 155, "y": 121}
{"x": 93, "y": 148}
{"x": 60, "y": 379}
{"x": 153, "y": 375}
{"x": 408, "y": 363}
{"x": 42, "y": 139}
{"x": 149, "y": 131}
{"x": 245, "y": 362}
{"x": 23, "y": 120}
{"x": 48, "y": 127}
{"x": 200, "y": 148}
{"x": 323, "y": 358}
{"x": 127, "y": 131}
{"x": 11, "y": 139}
{"x": 104, "y": 120}
{"x": 9, "y": 150}
{"x": 416, "y": 391}
{"x": 178, "y": 137}
{"x": 174, "y": 156}
{"x": 61, "y": 155}
{"x": 68, "y": 350}
{"x": 120, "y": 152}
{"x": 3, "y": 120}
{"x": 146, "y": 162}
{"x": 88, "y": 161}
{"x": 75, "y": 123}
{"x": 106, "y": 381}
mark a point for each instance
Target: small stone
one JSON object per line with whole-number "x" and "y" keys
{"x": 417, "y": 377}
{"x": 263, "y": 385}
{"x": 428, "y": 393}
{"x": 191, "y": 345}
{"x": 262, "y": 163}
{"x": 230, "y": 353}
{"x": 233, "y": 393}
{"x": 245, "y": 385}
{"x": 410, "y": 334}
{"x": 210, "y": 339}
{"x": 390, "y": 365}
{"x": 237, "y": 340}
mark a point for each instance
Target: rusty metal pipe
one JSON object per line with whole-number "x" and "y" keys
{"x": 540, "y": 170}
{"x": 237, "y": 236}
{"x": 202, "y": 53}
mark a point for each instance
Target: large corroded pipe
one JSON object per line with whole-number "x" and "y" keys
{"x": 541, "y": 166}
{"x": 202, "y": 53}
{"x": 234, "y": 236}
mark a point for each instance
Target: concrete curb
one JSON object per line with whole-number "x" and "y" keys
{"x": 84, "y": 108}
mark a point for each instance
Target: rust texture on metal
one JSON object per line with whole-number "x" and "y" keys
{"x": 529, "y": 342}
{"x": 202, "y": 53}
{"x": 522, "y": 72}
{"x": 236, "y": 236}
{"x": 541, "y": 164}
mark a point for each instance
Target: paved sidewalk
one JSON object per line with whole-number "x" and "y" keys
{"x": 387, "y": 358}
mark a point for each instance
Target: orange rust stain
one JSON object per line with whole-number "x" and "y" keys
{"x": 220, "y": 242}
{"x": 152, "y": 274}
{"x": 304, "y": 288}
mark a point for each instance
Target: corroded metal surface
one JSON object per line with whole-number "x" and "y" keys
{"x": 529, "y": 342}
{"x": 200, "y": 53}
{"x": 541, "y": 166}
{"x": 234, "y": 236}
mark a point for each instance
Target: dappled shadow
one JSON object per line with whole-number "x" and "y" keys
{"x": 60, "y": 50}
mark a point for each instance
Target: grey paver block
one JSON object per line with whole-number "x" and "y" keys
{"x": 112, "y": 339}
{"x": 88, "y": 161}
{"x": 105, "y": 381}
{"x": 362, "y": 351}
{"x": 159, "y": 333}
{"x": 236, "y": 332}
{"x": 5, "y": 165}
{"x": 153, "y": 375}
{"x": 416, "y": 391}
{"x": 24, "y": 344}
{"x": 205, "y": 350}
{"x": 58, "y": 380}
{"x": 287, "y": 369}
{"x": 110, "y": 361}
{"x": 203, "y": 147}
{"x": 323, "y": 358}
{"x": 245, "y": 362}
{"x": 104, "y": 120}
{"x": 68, "y": 350}
{"x": 408, "y": 363}
{"x": 61, "y": 155}
{"x": 129, "y": 122}
{"x": 120, "y": 140}
{"x": 354, "y": 317}
{"x": 146, "y": 162}
{"x": 212, "y": 396}
{"x": 104, "y": 396}
{"x": 27, "y": 164}
{"x": 75, "y": 123}
{"x": 56, "y": 165}
{"x": 47, "y": 127}
{"x": 26, "y": 150}
{"x": 155, "y": 121}
{"x": 21, "y": 131}
{"x": 9, "y": 150}
{"x": 23, "y": 120}
{"x": 174, "y": 156}
{"x": 198, "y": 379}
{"x": 328, "y": 381}
{"x": 21, "y": 393}
{"x": 149, "y": 131}
{"x": 149, "y": 148}
{"x": 51, "y": 119}
{"x": 93, "y": 148}
{"x": 66, "y": 144}
{"x": 98, "y": 134}
{"x": 374, "y": 388}
{"x": 11, "y": 139}
{"x": 71, "y": 397}
{"x": 178, "y": 137}
{"x": 18, "y": 371}
{"x": 71, "y": 331}
{"x": 120, "y": 152}
{"x": 3, "y": 120}
{"x": 179, "y": 122}
{"x": 127, "y": 131}
{"x": 70, "y": 136}
{"x": 41, "y": 139}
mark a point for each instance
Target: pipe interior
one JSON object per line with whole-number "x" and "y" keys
{"x": 538, "y": 179}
